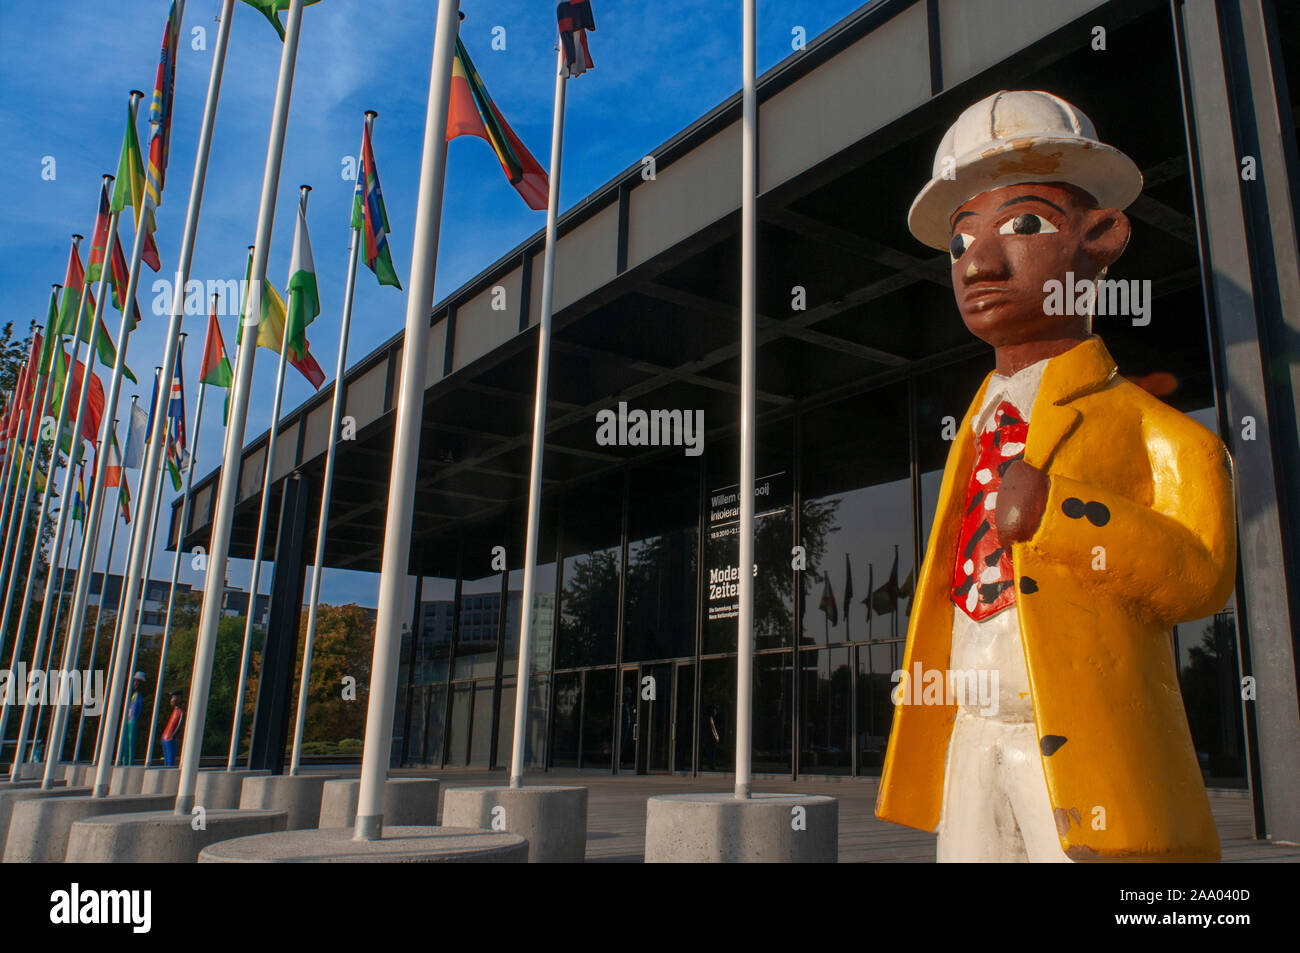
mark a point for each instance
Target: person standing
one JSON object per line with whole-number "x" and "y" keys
{"x": 135, "y": 708}
{"x": 171, "y": 731}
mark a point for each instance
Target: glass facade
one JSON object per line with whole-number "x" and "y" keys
{"x": 634, "y": 665}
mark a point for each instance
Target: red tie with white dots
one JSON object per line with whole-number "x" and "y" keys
{"x": 983, "y": 579}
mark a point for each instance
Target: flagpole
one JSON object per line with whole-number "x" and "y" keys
{"x": 327, "y": 485}
{"x": 539, "y": 434}
{"x": 748, "y": 320}
{"x": 51, "y": 469}
{"x": 18, "y": 527}
{"x": 117, "y": 610}
{"x": 99, "y": 613}
{"x": 54, "y": 637}
{"x": 14, "y": 491}
{"x": 176, "y": 563}
{"x": 150, "y": 529}
{"x": 13, "y": 468}
{"x": 262, "y": 516}
{"x": 406, "y": 436}
{"x": 228, "y": 485}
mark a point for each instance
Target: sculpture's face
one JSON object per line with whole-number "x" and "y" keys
{"x": 1009, "y": 241}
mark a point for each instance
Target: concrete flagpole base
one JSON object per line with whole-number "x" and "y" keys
{"x": 160, "y": 781}
{"x": 408, "y": 802}
{"x": 126, "y": 779}
{"x": 79, "y": 774}
{"x": 25, "y": 785}
{"x": 553, "y": 818}
{"x": 219, "y": 788}
{"x": 39, "y": 829}
{"x": 163, "y": 837}
{"x": 719, "y": 828}
{"x": 412, "y": 845}
{"x": 11, "y": 794}
{"x": 298, "y": 794}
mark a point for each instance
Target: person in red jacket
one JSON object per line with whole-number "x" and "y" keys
{"x": 171, "y": 731}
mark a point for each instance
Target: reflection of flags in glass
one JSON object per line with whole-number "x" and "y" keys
{"x": 828, "y": 605}
{"x": 848, "y": 588}
{"x": 906, "y": 591}
{"x": 885, "y": 599}
{"x": 871, "y": 581}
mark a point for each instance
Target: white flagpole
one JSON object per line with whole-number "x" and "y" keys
{"x": 54, "y": 634}
{"x": 327, "y": 486}
{"x": 16, "y": 472}
{"x": 15, "y": 771}
{"x": 228, "y": 485}
{"x": 263, "y": 514}
{"x": 17, "y": 531}
{"x": 13, "y": 469}
{"x": 748, "y": 323}
{"x": 406, "y": 437}
{"x": 99, "y": 614}
{"x": 176, "y": 563}
{"x": 539, "y": 435}
{"x": 117, "y": 610}
{"x": 150, "y": 529}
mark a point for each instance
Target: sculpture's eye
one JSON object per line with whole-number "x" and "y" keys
{"x": 960, "y": 242}
{"x": 1027, "y": 223}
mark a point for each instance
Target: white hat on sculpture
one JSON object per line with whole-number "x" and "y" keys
{"x": 1014, "y": 137}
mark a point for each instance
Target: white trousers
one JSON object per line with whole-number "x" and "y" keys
{"x": 995, "y": 803}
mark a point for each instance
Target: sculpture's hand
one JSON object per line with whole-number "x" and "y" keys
{"x": 1022, "y": 498}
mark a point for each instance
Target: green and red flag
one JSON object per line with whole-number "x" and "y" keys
{"x": 271, "y": 9}
{"x": 473, "y": 113}
{"x": 270, "y": 330}
{"x": 117, "y": 272}
{"x": 73, "y": 283}
{"x": 94, "y": 398}
{"x": 129, "y": 189}
{"x": 304, "y": 298}
{"x": 215, "y": 369}
{"x": 370, "y": 217}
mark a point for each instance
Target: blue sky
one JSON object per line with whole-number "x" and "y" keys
{"x": 66, "y": 69}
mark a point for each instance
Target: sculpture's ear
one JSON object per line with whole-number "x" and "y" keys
{"x": 1106, "y": 235}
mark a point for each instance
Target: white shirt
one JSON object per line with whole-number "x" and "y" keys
{"x": 994, "y": 644}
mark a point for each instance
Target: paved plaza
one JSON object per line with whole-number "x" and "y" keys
{"x": 617, "y": 814}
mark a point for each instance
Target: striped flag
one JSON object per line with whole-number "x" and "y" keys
{"x": 129, "y": 190}
{"x": 473, "y": 113}
{"x": 113, "y": 469}
{"x": 370, "y": 216}
{"x": 73, "y": 282}
{"x": 160, "y": 112}
{"x": 270, "y": 330}
{"x": 176, "y": 426}
{"x": 118, "y": 272}
{"x": 94, "y": 396}
{"x": 575, "y": 19}
{"x": 215, "y": 369}
{"x": 124, "y": 500}
{"x": 79, "y": 497}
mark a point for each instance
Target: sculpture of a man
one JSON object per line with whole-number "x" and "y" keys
{"x": 1079, "y": 519}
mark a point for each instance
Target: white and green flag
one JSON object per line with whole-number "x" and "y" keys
{"x": 304, "y": 300}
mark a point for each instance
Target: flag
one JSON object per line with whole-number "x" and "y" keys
{"x": 304, "y": 299}
{"x": 270, "y": 331}
{"x": 215, "y": 369}
{"x": 94, "y": 414}
{"x": 113, "y": 468}
{"x": 885, "y": 599}
{"x": 129, "y": 189}
{"x": 124, "y": 501}
{"x": 828, "y": 605}
{"x": 176, "y": 425}
{"x": 73, "y": 283}
{"x": 118, "y": 272}
{"x": 871, "y": 581}
{"x": 79, "y": 497}
{"x": 72, "y": 287}
{"x": 271, "y": 10}
{"x": 575, "y": 19}
{"x": 160, "y": 112}
{"x": 137, "y": 435}
{"x": 370, "y": 216}
{"x": 51, "y": 335}
{"x": 848, "y": 588}
{"x": 473, "y": 113}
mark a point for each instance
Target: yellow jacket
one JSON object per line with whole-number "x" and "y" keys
{"x": 1107, "y": 706}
